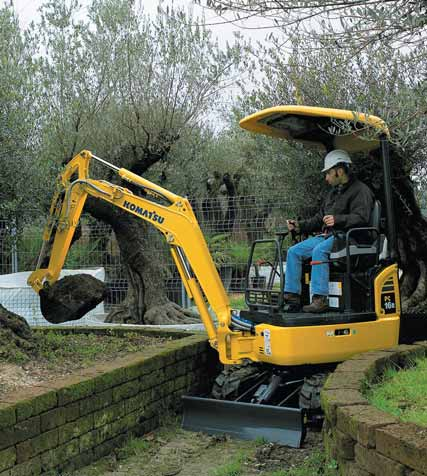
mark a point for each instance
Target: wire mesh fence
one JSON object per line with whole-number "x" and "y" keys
{"x": 229, "y": 224}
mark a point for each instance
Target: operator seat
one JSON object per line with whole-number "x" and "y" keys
{"x": 348, "y": 251}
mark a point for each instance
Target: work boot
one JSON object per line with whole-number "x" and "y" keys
{"x": 292, "y": 302}
{"x": 318, "y": 304}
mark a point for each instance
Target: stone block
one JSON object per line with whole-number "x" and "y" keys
{"x": 361, "y": 422}
{"x": 329, "y": 440}
{"x": 356, "y": 365}
{"x": 379, "y": 360}
{"x": 151, "y": 380}
{"x": 109, "y": 446}
{"x": 109, "y": 379}
{"x": 76, "y": 428}
{"x": 190, "y": 380}
{"x": 79, "y": 461}
{"x": 151, "y": 364}
{"x": 52, "y": 419}
{"x": 350, "y": 468}
{"x": 136, "y": 368}
{"x": 375, "y": 463}
{"x": 191, "y": 365}
{"x": 422, "y": 343}
{"x": 7, "y": 415}
{"x": 332, "y": 399}
{"x": 89, "y": 440}
{"x": 41, "y": 443}
{"x": 348, "y": 380}
{"x": 38, "y": 400}
{"x": 405, "y": 443}
{"x": 180, "y": 368}
{"x": 53, "y": 458}
{"x": 150, "y": 424}
{"x": 8, "y": 437}
{"x": 96, "y": 402}
{"x": 29, "y": 468}
{"x": 72, "y": 411}
{"x": 108, "y": 414}
{"x": 191, "y": 348}
{"x": 7, "y": 458}
{"x": 345, "y": 445}
{"x": 168, "y": 355}
{"x": 76, "y": 388}
{"x": 138, "y": 402}
{"x": 24, "y": 430}
{"x": 180, "y": 383}
{"x": 125, "y": 390}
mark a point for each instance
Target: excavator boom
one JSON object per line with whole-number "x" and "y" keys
{"x": 171, "y": 214}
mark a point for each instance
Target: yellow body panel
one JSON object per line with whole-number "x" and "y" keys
{"x": 351, "y": 142}
{"x": 319, "y": 344}
{"x": 326, "y": 343}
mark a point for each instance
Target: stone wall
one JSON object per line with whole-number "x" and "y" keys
{"x": 364, "y": 440}
{"x": 63, "y": 425}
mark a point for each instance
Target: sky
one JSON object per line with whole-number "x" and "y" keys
{"x": 27, "y": 11}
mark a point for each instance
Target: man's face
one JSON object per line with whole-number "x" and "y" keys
{"x": 332, "y": 177}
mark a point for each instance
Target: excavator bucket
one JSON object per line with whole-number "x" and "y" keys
{"x": 245, "y": 421}
{"x": 71, "y": 298}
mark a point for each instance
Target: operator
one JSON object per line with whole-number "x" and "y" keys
{"x": 347, "y": 205}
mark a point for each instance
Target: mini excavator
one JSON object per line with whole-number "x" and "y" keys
{"x": 292, "y": 349}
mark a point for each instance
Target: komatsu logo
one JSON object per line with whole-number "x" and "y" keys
{"x": 144, "y": 213}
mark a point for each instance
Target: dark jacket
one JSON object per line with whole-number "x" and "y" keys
{"x": 351, "y": 205}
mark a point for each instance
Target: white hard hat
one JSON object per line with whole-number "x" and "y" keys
{"x": 335, "y": 157}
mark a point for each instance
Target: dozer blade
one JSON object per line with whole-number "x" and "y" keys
{"x": 71, "y": 298}
{"x": 245, "y": 421}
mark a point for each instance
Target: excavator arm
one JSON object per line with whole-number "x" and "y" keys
{"x": 172, "y": 215}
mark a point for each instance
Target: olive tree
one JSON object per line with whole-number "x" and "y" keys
{"x": 19, "y": 126}
{"x": 20, "y": 180}
{"x": 347, "y": 23}
{"x": 131, "y": 88}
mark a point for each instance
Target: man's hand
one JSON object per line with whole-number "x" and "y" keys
{"x": 292, "y": 225}
{"x": 329, "y": 220}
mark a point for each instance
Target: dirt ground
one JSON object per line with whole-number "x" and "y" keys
{"x": 66, "y": 356}
{"x": 171, "y": 451}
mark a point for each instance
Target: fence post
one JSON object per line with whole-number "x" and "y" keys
{"x": 13, "y": 234}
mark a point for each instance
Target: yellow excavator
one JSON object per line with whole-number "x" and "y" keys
{"x": 364, "y": 302}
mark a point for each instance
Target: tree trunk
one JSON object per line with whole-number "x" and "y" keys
{"x": 146, "y": 301}
{"x": 411, "y": 229}
{"x": 412, "y": 247}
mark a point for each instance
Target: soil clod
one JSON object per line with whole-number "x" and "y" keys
{"x": 71, "y": 298}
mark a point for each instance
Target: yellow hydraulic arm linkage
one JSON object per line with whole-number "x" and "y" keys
{"x": 174, "y": 218}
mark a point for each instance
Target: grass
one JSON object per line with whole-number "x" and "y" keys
{"x": 403, "y": 393}
{"x": 237, "y": 301}
{"x": 233, "y": 468}
{"x": 315, "y": 464}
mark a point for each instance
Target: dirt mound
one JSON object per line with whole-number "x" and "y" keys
{"x": 16, "y": 338}
{"x": 71, "y": 298}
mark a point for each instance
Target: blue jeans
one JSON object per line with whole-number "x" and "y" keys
{"x": 318, "y": 248}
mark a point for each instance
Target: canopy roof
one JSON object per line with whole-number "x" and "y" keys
{"x": 319, "y": 127}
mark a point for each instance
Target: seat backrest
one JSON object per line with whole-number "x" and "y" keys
{"x": 375, "y": 218}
